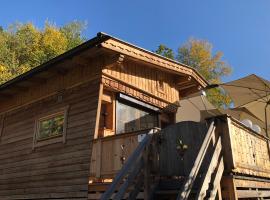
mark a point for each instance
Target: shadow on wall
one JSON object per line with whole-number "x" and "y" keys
{"x": 196, "y": 109}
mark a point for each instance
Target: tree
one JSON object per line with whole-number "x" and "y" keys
{"x": 198, "y": 54}
{"x": 165, "y": 51}
{"x": 24, "y": 46}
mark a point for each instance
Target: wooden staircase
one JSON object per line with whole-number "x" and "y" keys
{"x": 212, "y": 172}
{"x": 138, "y": 179}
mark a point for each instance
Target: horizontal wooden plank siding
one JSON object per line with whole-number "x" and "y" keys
{"x": 53, "y": 83}
{"x": 54, "y": 171}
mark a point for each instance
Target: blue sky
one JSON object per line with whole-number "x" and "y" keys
{"x": 240, "y": 29}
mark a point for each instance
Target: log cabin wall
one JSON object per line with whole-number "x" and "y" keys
{"x": 51, "y": 82}
{"x": 144, "y": 78}
{"x": 54, "y": 171}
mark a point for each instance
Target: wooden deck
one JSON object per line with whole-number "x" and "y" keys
{"x": 200, "y": 168}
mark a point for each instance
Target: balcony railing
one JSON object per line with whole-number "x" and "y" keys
{"x": 110, "y": 153}
{"x": 249, "y": 150}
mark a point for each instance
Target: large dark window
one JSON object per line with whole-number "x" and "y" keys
{"x": 130, "y": 117}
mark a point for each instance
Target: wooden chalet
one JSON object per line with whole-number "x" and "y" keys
{"x": 98, "y": 122}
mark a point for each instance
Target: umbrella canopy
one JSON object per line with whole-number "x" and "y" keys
{"x": 253, "y": 93}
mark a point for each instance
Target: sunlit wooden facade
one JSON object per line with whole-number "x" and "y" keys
{"x": 86, "y": 83}
{"x": 69, "y": 126}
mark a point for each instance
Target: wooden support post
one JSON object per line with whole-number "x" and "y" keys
{"x": 98, "y": 110}
{"x": 98, "y": 158}
{"x": 146, "y": 172}
{"x": 229, "y": 192}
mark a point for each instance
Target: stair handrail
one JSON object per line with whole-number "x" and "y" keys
{"x": 187, "y": 186}
{"x": 137, "y": 155}
{"x": 210, "y": 172}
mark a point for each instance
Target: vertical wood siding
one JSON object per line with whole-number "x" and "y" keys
{"x": 146, "y": 79}
{"x": 55, "y": 171}
{"x": 250, "y": 151}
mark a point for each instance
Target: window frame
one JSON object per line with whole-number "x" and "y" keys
{"x": 130, "y": 101}
{"x": 61, "y": 138}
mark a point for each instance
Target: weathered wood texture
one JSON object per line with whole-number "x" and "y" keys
{"x": 241, "y": 187}
{"x": 46, "y": 85}
{"x": 108, "y": 154}
{"x": 250, "y": 151}
{"x": 147, "y": 57}
{"x": 146, "y": 79}
{"x": 228, "y": 188}
{"x": 172, "y": 163}
{"x": 138, "y": 94}
{"x": 55, "y": 171}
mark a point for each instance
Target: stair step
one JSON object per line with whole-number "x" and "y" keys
{"x": 167, "y": 191}
{"x": 170, "y": 184}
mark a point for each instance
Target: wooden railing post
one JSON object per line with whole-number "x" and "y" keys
{"x": 212, "y": 166}
{"x": 146, "y": 173}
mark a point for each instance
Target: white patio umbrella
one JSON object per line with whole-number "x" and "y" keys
{"x": 253, "y": 93}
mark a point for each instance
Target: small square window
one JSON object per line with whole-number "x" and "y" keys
{"x": 50, "y": 128}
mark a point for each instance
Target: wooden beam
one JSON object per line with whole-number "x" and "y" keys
{"x": 184, "y": 80}
{"x": 252, "y": 193}
{"x": 187, "y": 86}
{"x": 115, "y": 60}
{"x": 98, "y": 158}
{"x": 148, "y": 57}
{"x": 243, "y": 183}
{"x": 18, "y": 88}
{"x": 98, "y": 110}
{"x": 37, "y": 79}
{"x": 229, "y": 189}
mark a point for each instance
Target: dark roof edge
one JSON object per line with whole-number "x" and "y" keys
{"x": 101, "y": 37}
{"x": 88, "y": 44}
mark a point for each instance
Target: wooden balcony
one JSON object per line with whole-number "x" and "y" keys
{"x": 246, "y": 150}
{"x": 225, "y": 154}
{"x": 109, "y": 153}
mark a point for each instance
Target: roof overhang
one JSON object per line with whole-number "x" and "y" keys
{"x": 160, "y": 62}
{"x": 103, "y": 42}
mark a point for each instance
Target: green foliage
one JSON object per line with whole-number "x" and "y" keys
{"x": 198, "y": 54}
{"x": 24, "y": 46}
{"x": 165, "y": 51}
